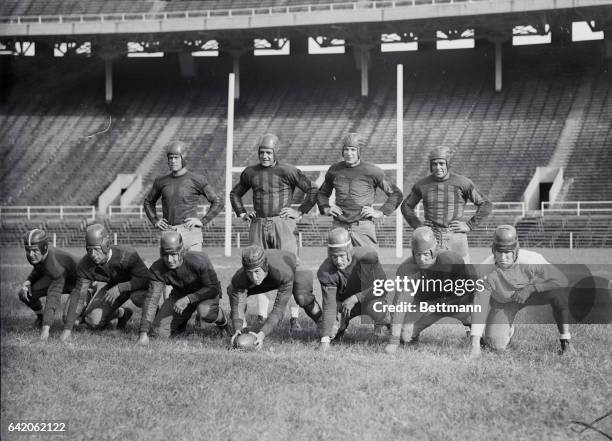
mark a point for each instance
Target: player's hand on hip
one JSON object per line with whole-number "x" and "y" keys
{"x": 181, "y": 304}
{"x": 259, "y": 338}
{"x": 162, "y": 224}
{"x": 112, "y": 294}
{"x": 192, "y": 222}
{"x": 348, "y": 305}
{"x": 289, "y": 212}
{"x": 335, "y": 211}
{"x": 459, "y": 226}
{"x": 143, "y": 339}
{"x": 247, "y": 217}
{"x": 371, "y": 213}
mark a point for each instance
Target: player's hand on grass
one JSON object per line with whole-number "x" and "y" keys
{"x": 259, "y": 338}
{"x": 192, "y": 222}
{"x": 44, "y": 333}
{"x": 181, "y": 304}
{"x": 233, "y": 339}
{"x": 290, "y": 213}
{"x": 521, "y": 295}
{"x": 162, "y": 224}
{"x": 65, "y": 335}
{"x": 143, "y": 339}
{"x": 111, "y": 294}
{"x": 371, "y": 213}
{"x": 348, "y": 305}
{"x": 459, "y": 226}
{"x": 24, "y": 292}
{"x": 247, "y": 217}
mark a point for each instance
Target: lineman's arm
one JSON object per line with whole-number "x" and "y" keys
{"x": 408, "y": 207}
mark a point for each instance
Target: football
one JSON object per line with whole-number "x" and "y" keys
{"x": 245, "y": 342}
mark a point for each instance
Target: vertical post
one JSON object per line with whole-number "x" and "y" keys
{"x": 523, "y": 209}
{"x": 542, "y": 208}
{"x": 61, "y": 211}
{"x": 140, "y": 211}
{"x": 578, "y": 209}
{"x": 571, "y": 240}
{"x": 229, "y": 155}
{"x": 399, "y": 245}
{"x": 108, "y": 79}
{"x": 300, "y": 244}
{"x": 498, "y": 66}
{"x": 238, "y": 239}
{"x": 28, "y": 212}
{"x": 115, "y": 238}
{"x": 54, "y": 240}
{"x": 110, "y": 211}
{"x": 236, "y": 69}
{"x": 93, "y": 212}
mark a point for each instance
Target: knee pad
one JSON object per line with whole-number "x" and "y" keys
{"x": 208, "y": 311}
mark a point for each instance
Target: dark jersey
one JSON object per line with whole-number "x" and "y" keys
{"x": 357, "y": 279}
{"x": 444, "y": 201}
{"x": 281, "y": 274}
{"x": 356, "y": 188}
{"x": 125, "y": 269}
{"x": 195, "y": 278}
{"x": 180, "y": 197}
{"x": 60, "y": 267}
{"x": 442, "y": 279}
{"x": 273, "y": 189}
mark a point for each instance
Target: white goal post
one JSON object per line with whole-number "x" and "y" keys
{"x": 397, "y": 166}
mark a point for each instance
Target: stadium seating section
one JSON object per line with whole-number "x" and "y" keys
{"x": 62, "y": 146}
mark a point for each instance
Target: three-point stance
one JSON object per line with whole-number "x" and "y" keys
{"x": 53, "y": 274}
{"x": 267, "y": 270}
{"x": 347, "y": 283}
{"x": 446, "y": 281}
{"x": 521, "y": 278}
{"x": 195, "y": 286}
{"x": 120, "y": 268}
{"x": 444, "y": 196}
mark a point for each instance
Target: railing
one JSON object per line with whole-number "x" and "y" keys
{"x": 576, "y": 207}
{"x": 271, "y": 10}
{"x": 47, "y": 211}
{"x": 138, "y": 211}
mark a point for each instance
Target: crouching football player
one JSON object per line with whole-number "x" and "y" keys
{"x": 120, "y": 268}
{"x": 267, "y": 270}
{"x": 521, "y": 278}
{"x": 433, "y": 270}
{"x": 195, "y": 287}
{"x": 53, "y": 274}
{"x": 347, "y": 283}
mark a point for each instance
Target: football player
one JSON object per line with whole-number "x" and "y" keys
{"x": 273, "y": 220}
{"x": 124, "y": 274}
{"x": 434, "y": 268}
{"x": 347, "y": 278}
{"x": 181, "y": 191}
{"x": 521, "y": 278}
{"x": 53, "y": 274}
{"x": 355, "y": 182}
{"x": 195, "y": 286}
{"x": 444, "y": 196}
{"x": 267, "y": 270}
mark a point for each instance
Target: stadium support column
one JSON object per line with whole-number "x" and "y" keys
{"x": 363, "y": 61}
{"x": 498, "y": 66}
{"x": 236, "y": 70}
{"x": 108, "y": 79}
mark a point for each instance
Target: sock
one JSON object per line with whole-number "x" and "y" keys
{"x": 295, "y": 311}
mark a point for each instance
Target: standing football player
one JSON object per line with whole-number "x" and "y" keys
{"x": 347, "y": 283}
{"x": 444, "y": 196}
{"x": 181, "y": 191}
{"x": 434, "y": 268}
{"x": 268, "y": 270}
{"x": 195, "y": 287}
{"x": 120, "y": 268}
{"x": 521, "y": 278}
{"x": 355, "y": 182}
{"x": 53, "y": 274}
{"x": 273, "y": 220}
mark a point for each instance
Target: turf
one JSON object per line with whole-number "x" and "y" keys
{"x": 106, "y": 388}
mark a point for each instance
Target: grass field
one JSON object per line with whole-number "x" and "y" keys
{"x": 106, "y": 388}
